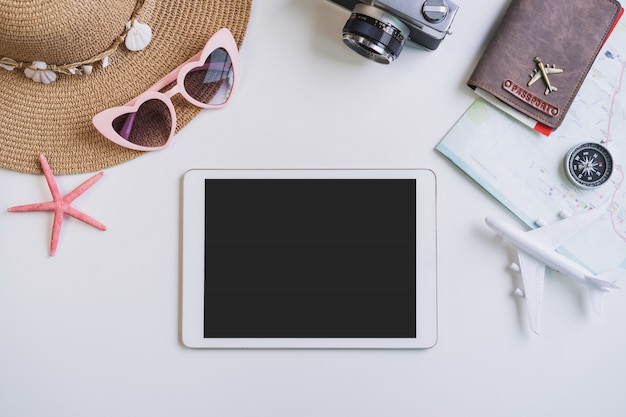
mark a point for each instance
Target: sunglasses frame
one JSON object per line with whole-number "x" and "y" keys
{"x": 103, "y": 121}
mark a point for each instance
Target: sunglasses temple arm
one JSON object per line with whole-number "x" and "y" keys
{"x": 128, "y": 125}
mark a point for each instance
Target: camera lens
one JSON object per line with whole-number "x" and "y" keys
{"x": 375, "y": 34}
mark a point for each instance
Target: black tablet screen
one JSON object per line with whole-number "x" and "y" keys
{"x": 318, "y": 258}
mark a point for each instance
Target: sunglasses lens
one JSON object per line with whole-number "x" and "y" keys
{"x": 150, "y": 126}
{"x": 212, "y": 82}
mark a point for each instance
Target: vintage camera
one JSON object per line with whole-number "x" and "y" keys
{"x": 378, "y": 29}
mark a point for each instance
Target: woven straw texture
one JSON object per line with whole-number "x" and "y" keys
{"x": 55, "y": 119}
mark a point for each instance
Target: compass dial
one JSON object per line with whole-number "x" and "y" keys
{"x": 588, "y": 165}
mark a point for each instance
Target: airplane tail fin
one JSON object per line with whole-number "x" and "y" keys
{"x": 603, "y": 283}
{"x": 608, "y": 280}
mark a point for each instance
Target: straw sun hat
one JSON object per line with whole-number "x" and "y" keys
{"x": 89, "y": 67}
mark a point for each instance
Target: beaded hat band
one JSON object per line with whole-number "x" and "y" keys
{"x": 135, "y": 36}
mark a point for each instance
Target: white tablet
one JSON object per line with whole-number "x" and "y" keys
{"x": 309, "y": 259}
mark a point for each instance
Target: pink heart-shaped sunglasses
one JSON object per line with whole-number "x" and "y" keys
{"x": 206, "y": 80}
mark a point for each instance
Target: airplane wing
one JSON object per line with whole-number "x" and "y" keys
{"x": 555, "y": 234}
{"x": 533, "y": 273}
{"x": 552, "y": 70}
{"x": 534, "y": 78}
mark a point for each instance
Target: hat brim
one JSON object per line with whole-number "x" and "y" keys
{"x": 55, "y": 119}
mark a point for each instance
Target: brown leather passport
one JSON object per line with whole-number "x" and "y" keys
{"x": 541, "y": 52}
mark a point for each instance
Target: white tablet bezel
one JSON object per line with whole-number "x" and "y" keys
{"x": 192, "y": 300}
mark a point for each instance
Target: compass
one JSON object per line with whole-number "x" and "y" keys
{"x": 588, "y": 165}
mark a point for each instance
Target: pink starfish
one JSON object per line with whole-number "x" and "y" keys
{"x": 61, "y": 205}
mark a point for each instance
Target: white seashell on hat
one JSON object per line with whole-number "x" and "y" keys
{"x": 8, "y": 64}
{"x": 138, "y": 35}
{"x": 40, "y": 73}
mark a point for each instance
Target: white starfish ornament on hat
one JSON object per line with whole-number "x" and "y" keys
{"x": 61, "y": 205}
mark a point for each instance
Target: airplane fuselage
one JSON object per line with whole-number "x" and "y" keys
{"x": 552, "y": 259}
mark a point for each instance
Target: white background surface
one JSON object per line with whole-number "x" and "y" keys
{"x": 94, "y": 331}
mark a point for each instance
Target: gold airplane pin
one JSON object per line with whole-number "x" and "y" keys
{"x": 542, "y": 71}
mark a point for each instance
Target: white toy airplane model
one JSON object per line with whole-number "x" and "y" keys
{"x": 536, "y": 250}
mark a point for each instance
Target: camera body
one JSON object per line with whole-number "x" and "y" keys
{"x": 378, "y": 29}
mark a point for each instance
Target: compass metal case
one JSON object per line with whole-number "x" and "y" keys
{"x": 588, "y": 165}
